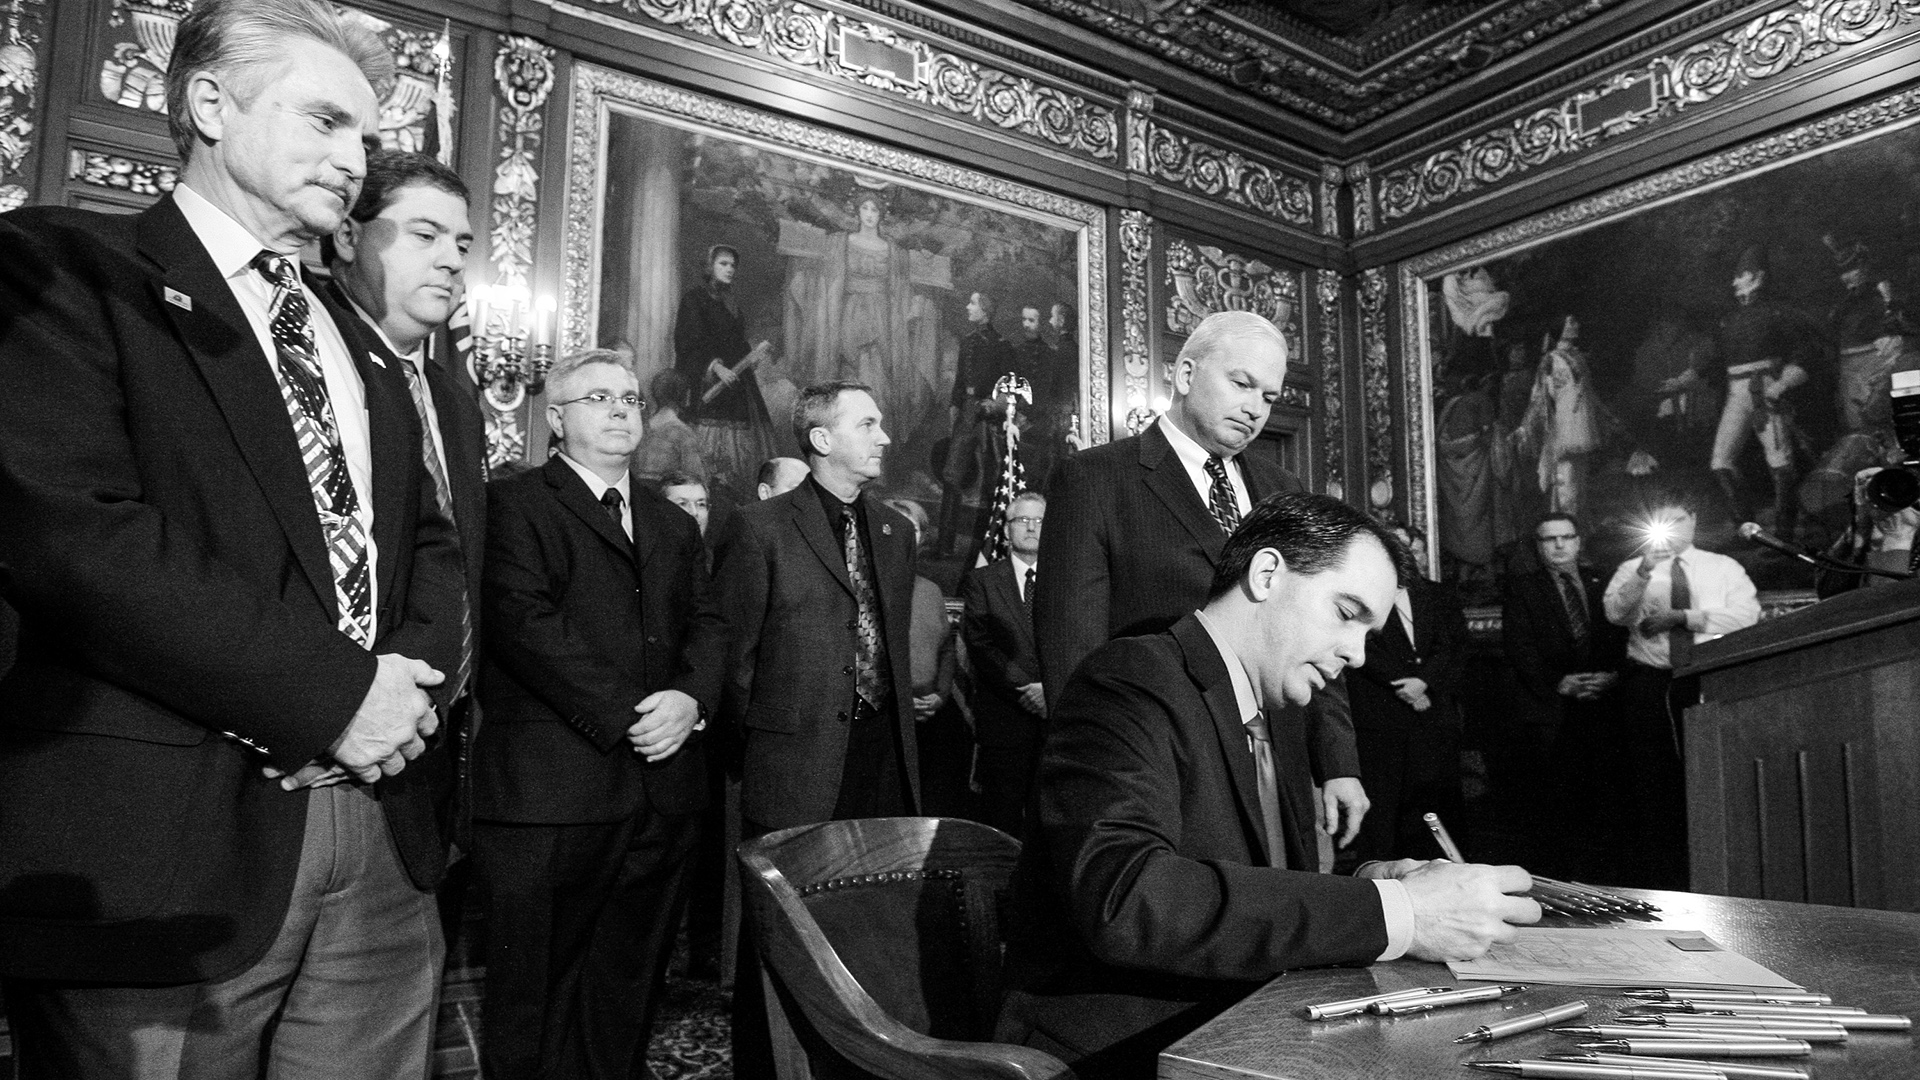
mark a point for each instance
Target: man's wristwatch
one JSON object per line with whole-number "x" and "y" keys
{"x": 701, "y": 723}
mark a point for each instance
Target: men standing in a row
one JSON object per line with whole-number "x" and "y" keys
{"x": 1010, "y": 708}
{"x": 230, "y": 571}
{"x": 1670, "y": 597}
{"x": 1406, "y": 716}
{"x": 820, "y": 591}
{"x": 1558, "y": 760}
{"x": 1138, "y": 525}
{"x": 605, "y": 658}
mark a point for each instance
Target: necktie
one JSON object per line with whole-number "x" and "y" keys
{"x": 1576, "y": 604}
{"x": 610, "y": 499}
{"x": 443, "y": 495}
{"x": 1226, "y": 509}
{"x": 1679, "y": 639}
{"x": 1026, "y": 598}
{"x": 868, "y": 679}
{"x": 304, "y": 390}
{"x": 1262, "y": 746}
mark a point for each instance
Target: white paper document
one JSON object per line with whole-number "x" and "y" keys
{"x": 1618, "y": 956}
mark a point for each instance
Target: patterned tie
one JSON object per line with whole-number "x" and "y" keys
{"x": 443, "y": 495}
{"x": 610, "y": 499}
{"x": 303, "y": 388}
{"x": 1026, "y": 598}
{"x": 1679, "y": 639}
{"x": 868, "y": 679}
{"x": 1576, "y": 605}
{"x": 1226, "y": 509}
{"x": 1262, "y": 747}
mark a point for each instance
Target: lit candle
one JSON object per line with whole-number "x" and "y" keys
{"x": 478, "y": 299}
{"x": 543, "y": 312}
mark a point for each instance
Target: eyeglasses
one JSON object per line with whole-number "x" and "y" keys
{"x": 600, "y": 399}
{"x": 1034, "y": 522}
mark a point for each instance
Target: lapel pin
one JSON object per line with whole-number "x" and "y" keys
{"x": 885, "y": 529}
{"x": 179, "y": 299}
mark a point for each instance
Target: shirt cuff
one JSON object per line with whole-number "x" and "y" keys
{"x": 1397, "y": 907}
{"x": 1697, "y": 620}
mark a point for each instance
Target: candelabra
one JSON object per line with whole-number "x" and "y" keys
{"x": 512, "y": 343}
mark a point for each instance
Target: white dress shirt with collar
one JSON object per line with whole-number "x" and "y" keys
{"x": 1193, "y": 457}
{"x": 1722, "y": 600}
{"x": 1395, "y": 905}
{"x": 418, "y": 358}
{"x": 233, "y": 249}
{"x": 599, "y": 488}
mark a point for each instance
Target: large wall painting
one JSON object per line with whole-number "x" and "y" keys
{"x": 1725, "y": 329}
{"x": 851, "y": 260}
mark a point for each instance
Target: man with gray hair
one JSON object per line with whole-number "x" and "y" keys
{"x": 1135, "y": 528}
{"x": 219, "y": 759}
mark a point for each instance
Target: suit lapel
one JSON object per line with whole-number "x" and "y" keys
{"x": 811, "y": 519}
{"x": 645, "y": 530}
{"x": 574, "y": 494}
{"x": 1208, "y": 669}
{"x": 220, "y": 340}
{"x": 888, "y": 563}
{"x": 1167, "y": 478}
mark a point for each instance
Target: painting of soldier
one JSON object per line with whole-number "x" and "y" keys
{"x": 1735, "y": 343}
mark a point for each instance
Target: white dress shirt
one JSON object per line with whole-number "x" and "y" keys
{"x": 1722, "y": 601}
{"x": 599, "y": 488}
{"x": 1395, "y": 905}
{"x": 1194, "y": 457}
{"x": 418, "y": 358}
{"x": 232, "y": 249}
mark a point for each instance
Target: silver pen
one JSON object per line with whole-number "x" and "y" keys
{"x": 1735, "y": 1070}
{"x": 1567, "y": 1070}
{"x": 1673, "y": 993}
{"x": 1441, "y": 1001}
{"x": 1704, "y": 1048}
{"x": 1443, "y": 838}
{"x": 1330, "y": 1010}
{"x": 1630, "y": 1031}
{"x": 1846, "y": 1017}
{"x": 1525, "y": 1022}
{"x": 1783, "y": 1027}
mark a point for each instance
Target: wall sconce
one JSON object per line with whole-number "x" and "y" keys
{"x": 512, "y": 343}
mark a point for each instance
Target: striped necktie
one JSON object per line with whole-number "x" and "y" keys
{"x": 304, "y": 389}
{"x": 1220, "y": 497}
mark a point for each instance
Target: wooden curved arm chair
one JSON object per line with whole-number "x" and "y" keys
{"x": 881, "y": 941}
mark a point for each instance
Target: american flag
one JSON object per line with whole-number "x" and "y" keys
{"x": 1013, "y": 475}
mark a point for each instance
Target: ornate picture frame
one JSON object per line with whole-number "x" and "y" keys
{"x": 788, "y": 198}
{"x": 1515, "y": 410}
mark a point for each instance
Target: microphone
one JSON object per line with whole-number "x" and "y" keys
{"x": 1752, "y": 531}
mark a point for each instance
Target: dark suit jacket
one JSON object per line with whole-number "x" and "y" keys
{"x": 586, "y": 625}
{"x": 162, "y": 547}
{"x": 1439, "y": 659}
{"x": 1144, "y": 901}
{"x": 1539, "y": 644}
{"x": 1129, "y": 548}
{"x": 793, "y": 613}
{"x": 1001, "y": 651}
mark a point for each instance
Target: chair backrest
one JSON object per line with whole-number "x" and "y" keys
{"x": 884, "y": 934}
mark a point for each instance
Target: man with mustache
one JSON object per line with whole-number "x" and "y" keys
{"x": 1135, "y": 528}
{"x": 235, "y": 589}
{"x": 1168, "y": 869}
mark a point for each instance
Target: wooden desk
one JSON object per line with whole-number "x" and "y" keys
{"x": 1864, "y": 958}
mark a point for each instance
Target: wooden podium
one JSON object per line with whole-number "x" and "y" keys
{"x": 1803, "y": 758}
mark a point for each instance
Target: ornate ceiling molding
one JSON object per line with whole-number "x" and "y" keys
{"x": 877, "y": 57}
{"x": 1237, "y": 46}
{"x": 1655, "y": 90}
{"x": 1224, "y": 175}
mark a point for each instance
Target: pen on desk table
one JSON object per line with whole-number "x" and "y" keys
{"x": 1525, "y": 1022}
{"x": 1567, "y": 1070}
{"x": 1845, "y": 1016}
{"x": 1638, "y": 905}
{"x": 1735, "y": 1070}
{"x": 1629, "y": 1031}
{"x": 1441, "y": 837}
{"x": 1783, "y": 1027}
{"x": 1704, "y": 1048}
{"x": 1441, "y": 1001}
{"x": 1330, "y": 1010}
{"x": 1678, "y": 993}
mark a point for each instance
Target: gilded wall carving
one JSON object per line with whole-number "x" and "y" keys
{"x": 1227, "y": 175}
{"x": 1659, "y": 89}
{"x": 1332, "y": 420}
{"x": 1136, "y": 244}
{"x": 1376, "y": 387}
{"x": 1205, "y": 279}
{"x": 1330, "y": 179}
{"x": 19, "y": 96}
{"x": 523, "y": 75}
{"x": 121, "y": 173}
{"x": 1416, "y": 395}
{"x": 877, "y": 57}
